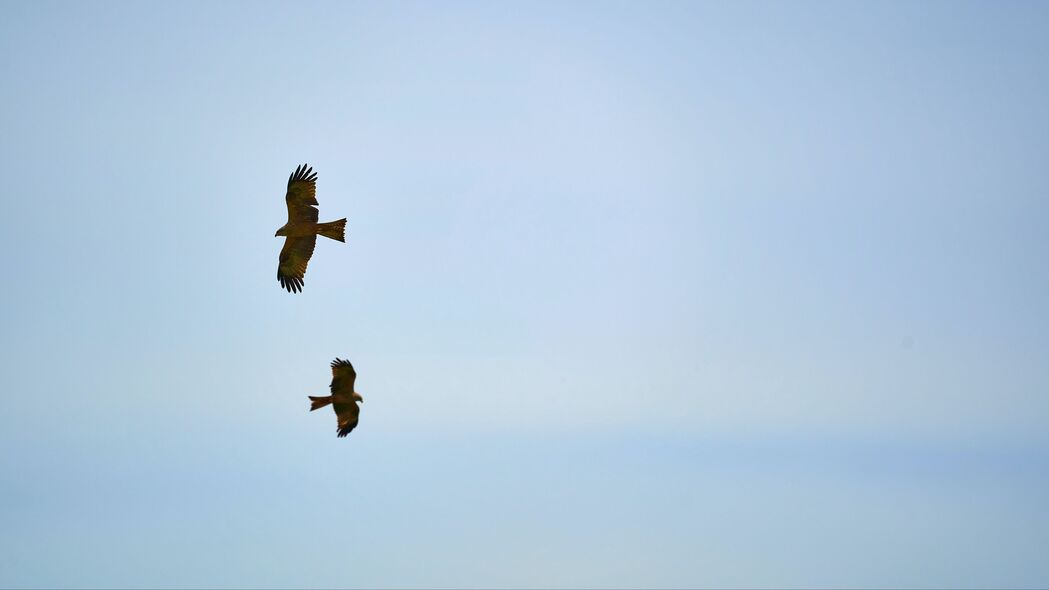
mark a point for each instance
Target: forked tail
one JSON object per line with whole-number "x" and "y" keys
{"x": 319, "y": 402}
{"x": 335, "y": 230}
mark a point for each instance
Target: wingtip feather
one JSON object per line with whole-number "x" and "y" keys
{"x": 303, "y": 172}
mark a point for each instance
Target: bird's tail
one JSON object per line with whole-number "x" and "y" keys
{"x": 319, "y": 402}
{"x": 335, "y": 230}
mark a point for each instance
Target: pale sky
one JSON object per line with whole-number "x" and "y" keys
{"x": 639, "y": 294}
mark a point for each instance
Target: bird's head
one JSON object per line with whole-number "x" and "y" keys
{"x": 281, "y": 231}
{"x": 357, "y": 397}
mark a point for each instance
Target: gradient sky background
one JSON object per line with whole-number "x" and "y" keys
{"x": 741, "y": 294}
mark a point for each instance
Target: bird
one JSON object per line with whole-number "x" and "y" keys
{"x": 302, "y": 228}
{"x": 343, "y": 398}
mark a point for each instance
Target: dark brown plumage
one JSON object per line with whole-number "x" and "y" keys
{"x": 302, "y": 228}
{"x": 343, "y": 399}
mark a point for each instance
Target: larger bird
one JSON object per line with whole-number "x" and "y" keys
{"x": 343, "y": 398}
{"x": 302, "y": 228}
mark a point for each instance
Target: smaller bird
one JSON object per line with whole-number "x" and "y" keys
{"x": 343, "y": 398}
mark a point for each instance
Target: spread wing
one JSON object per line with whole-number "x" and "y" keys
{"x": 302, "y": 195}
{"x": 294, "y": 257}
{"x": 342, "y": 378}
{"x": 347, "y": 413}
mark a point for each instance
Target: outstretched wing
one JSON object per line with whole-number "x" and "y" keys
{"x": 294, "y": 257}
{"x": 302, "y": 195}
{"x": 348, "y": 414}
{"x": 343, "y": 378}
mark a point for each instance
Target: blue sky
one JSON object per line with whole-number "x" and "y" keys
{"x": 668, "y": 294}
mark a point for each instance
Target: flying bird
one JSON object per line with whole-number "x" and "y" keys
{"x": 342, "y": 399}
{"x": 302, "y": 228}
